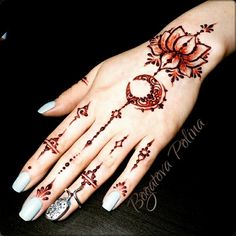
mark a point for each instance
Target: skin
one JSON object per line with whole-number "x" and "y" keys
{"x": 98, "y": 89}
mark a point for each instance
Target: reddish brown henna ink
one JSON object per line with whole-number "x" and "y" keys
{"x": 143, "y": 154}
{"x": 118, "y": 144}
{"x": 150, "y": 102}
{"x": 89, "y": 177}
{"x": 121, "y": 187}
{"x": 43, "y": 192}
{"x": 85, "y": 80}
{"x": 179, "y": 53}
{"x": 51, "y": 144}
{"x": 67, "y": 164}
{"x": 81, "y": 111}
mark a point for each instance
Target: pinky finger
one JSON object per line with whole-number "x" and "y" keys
{"x": 137, "y": 167}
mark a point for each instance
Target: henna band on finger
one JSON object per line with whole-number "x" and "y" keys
{"x": 62, "y": 205}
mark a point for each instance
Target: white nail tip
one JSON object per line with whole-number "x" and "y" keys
{"x": 111, "y": 200}
{"x": 21, "y": 182}
{"x": 4, "y": 36}
{"x": 30, "y": 209}
{"x": 46, "y": 107}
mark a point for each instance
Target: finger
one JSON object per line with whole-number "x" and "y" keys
{"x": 137, "y": 167}
{"x": 70, "y": 165}
{"x": 68, "y": 100}
{"x": 98, "y": 171}
{"x": 72, "y": 128}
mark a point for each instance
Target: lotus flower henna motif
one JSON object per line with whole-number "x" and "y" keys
{"x": 179, "y": 53}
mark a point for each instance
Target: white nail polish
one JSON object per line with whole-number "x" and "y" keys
{"x": 4, "y": 36}
{"x": 46, "y": 107}
{"x": 21, "y": 182}
{"x": 30, "y": 209}
{"x": 111, "y": 200}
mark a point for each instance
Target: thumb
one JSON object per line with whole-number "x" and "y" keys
{"x": 68, "y": 100}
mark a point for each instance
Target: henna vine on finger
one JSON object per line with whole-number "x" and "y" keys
{"x": 51, "y": 144}
{"x": 153, "y": 100}
{"x": 179, "y": 53}
{"x": 44, "y": 192}
{"x": 81, "y": 111}
{"x": 118, "y": 144}
{"x": 143, "y": 154}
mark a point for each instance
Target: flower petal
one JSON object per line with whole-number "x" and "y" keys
{"x": 174, "y": 35}
{"x": 185, "y": 70}
{"x": 199, "y": 50}
{"x": 169, "y": 60}
{"x": 155, "y": 46}
{"x": 185, "y": 44}
{"x": 164, "y": 37}
{"x": 195, "y": 63}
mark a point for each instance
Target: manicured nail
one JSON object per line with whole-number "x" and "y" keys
{"x": 21, "y": 182}
{"x": 4, "y": 36}
{"x": 46, "y": 107}
{"x": 111, "y": 200}
{"x": 30, "y": 209}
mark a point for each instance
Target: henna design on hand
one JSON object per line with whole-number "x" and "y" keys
{"x": 143, "y": 154}
{"x": 81, "y": 111}
{"x": 150, "y": 102}
{"x": 68, "y": 163}
{"x": 121, "y": 187}
{"x": 179, "y": 53}
{"x": 43, "y": 192}
{"x": 51, "y": 144}
{"x": 85, "y": 80}
{"x": 118, "y": 144}
{"x": 89, "y": 177}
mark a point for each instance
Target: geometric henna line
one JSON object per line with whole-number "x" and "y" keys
{"x": 143, "y": 153}
{"x": 85, "y": 80}
{"x": 43, "y": 192}
{"x": 118, "y": 144}
{"x": 51, "y": 144}
{"x": 89, "y": 177}
{"x": 179, "y": 53}
{"x": 154, "y": 99}
{"x": 68, "y": 163}
{"x": 83, "y": 111}
{"x": 121, "y": 187}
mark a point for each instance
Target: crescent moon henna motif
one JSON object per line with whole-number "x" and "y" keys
{"x": 151, "y": 101}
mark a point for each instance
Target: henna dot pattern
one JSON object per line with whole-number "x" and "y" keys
{"x": 143, "y": 154}
{"x": 44, "y": 192}
{"x": 121, "y": 187}
{"x": 67, "y": 164}
{"x": 153, "y": 100}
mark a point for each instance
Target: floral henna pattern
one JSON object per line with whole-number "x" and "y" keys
{"x": 89, "y": 177}
{"x": 81, "y": 111}
{"x": 150, "y": 102}
{"x": 179, "y": 53}
{"x": 118, "y": 144}
{"x": 43, "y": 192}
{"x": 51, "y": 144}
{"x": 143, "y": 154}
{"x": 121, "y": 187}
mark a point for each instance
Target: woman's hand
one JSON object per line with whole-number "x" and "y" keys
{"x": 136, "y": 100}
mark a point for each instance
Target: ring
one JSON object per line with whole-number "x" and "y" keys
{"x": 62, "y": 205}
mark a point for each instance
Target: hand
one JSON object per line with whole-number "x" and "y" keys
{"x": 136, "y": 100}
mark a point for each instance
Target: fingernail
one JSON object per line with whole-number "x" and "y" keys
{"x": 30, "y": 209}
{"x": 111, "y": 200}
{"x": 21, "y": 182}
{"x": 46, "y": 107}
{"x": 4, "y": 36}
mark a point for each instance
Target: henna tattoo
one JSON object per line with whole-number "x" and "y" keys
{"x": 143, "y": 154}
{"x": 81, "y": 111}
{"x": 29, "y": 167}
{"x": 89, "y": 177}
{"x": 51, "y": 144}
{"x": 153, "y": 100}
{"x": 85, "y": 80}
{"x": 121, "y": 187}
{"x": 118, "y": 144}
{"x": 43, "y": 192}
{"x": 68, "y": 163}
{"x": 179, "y": 53}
